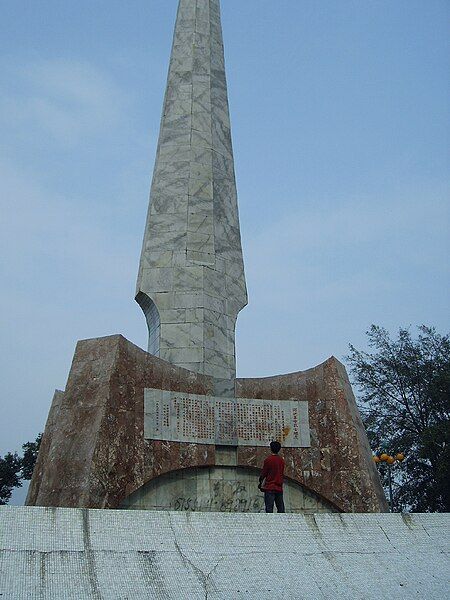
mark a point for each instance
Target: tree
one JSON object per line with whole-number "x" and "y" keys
{"x": 405, "y": 405}
{"x": 10, "y": 466}
{"x": 30, "y": 453}
{"x": 15, "y": 468}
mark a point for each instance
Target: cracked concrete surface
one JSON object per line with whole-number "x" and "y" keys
{"x": 80, "y": 554}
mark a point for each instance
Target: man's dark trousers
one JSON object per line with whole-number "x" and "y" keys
{"x": 274, "y": 497}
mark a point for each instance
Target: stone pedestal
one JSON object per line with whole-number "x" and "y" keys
{"x": 94, "y": 453}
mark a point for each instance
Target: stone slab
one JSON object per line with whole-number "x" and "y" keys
{"x": 201, "y": 419}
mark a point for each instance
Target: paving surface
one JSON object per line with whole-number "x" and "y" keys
{"x": 104, "y": 554}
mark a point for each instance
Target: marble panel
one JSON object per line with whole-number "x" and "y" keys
{"x": 182, "y": 50}
{"x": 200, "y": 242}
{"x": 201, "y": 173}
{"x": 158, "y": 259}
{"x": 220, "y": 265}
{"x": 162, "y": 202}
{"x": 177, "y": 106}
{"x": 201, "y": 156}
{"x": 174, "y": 154}
{"x": 181, "y": 78}
{"x": 184, "y": 38}
{"x": 195, "y": 315}
{"x": 188, "y": 300}
{"x": 227, "y": 237}
{"x": 200, "y": 258}
{"x": 200, "y": 222}
{"x": 217, "y": 372}
{"x": 202, "y": 26}
{"x": 158, "y": 279}
{"x": 168, "y": 172}
{"x": 224, "y": 387}
{"x": 181, "y": 335}
{"x": 179, "y": 91}
{"x": 201, "y": 97}
{"x": 219, "y": 106}
{"x": 235, "y": 269}
{"x": 201, "y": 121}
{"x": 195, "y": 367}
{"x": 179, "y": 258}
{"x": 225, "y": 200}
{"x": 213, "y": 303}
{"x": 181, "y": 63}
{"x": 236, "y": 288}
{"x": 216, "y": 318}
{"x": 177, "y": 121}
{"x": 204, "y": 80}
{"x": 200, "y": 205}
{"x": 201, "y": 40}
{"x": 215, "y": 283}
{"x": 219, "y": 358}
{"x": 175, "y": 416}
{"x": 167, "y": 222}
{"x": 202, "y": 10}
{"x": 219, "y": 81}
{"x": 219, "y": 339}
{"x": 186, "y": 10}
{"x": 177, "y": 186}
{"x": 186, "y": 279}
{"x": 201, "y": 187}
{"x": 163, "y": 300}
{"x": 173, "y": 136}
{"x": 185, "y": 24}
{"x": 216, "y": 32}
{"x": 223, "y": 165}
{"x": 182, "y": 356}
{"x": 201, "y": 139}
{"x": 167, "y": 240}
{"x": 201, "y": 65}
{"x": 217, "y": 59}
{"x": 173, "y": 315}
{"x": 234, "y": 305}
{"x": 221, "y": 138}
{"x": 203, "y": 52}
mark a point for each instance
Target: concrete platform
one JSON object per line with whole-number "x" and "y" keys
{"x": 65, "y": 553}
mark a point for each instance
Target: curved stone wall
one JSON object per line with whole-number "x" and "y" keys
{"x": 218, "y": 489}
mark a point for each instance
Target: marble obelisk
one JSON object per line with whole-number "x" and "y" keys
{"x": 137, "y": 430}
{"x": 191, "y": 283}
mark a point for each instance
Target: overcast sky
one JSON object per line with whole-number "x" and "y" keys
{"x": 340, "y": 120}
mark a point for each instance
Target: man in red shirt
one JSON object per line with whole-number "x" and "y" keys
{"x": 272, "y": 472}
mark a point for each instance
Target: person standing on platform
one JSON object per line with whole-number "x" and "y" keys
{"x": 272, "y": 475}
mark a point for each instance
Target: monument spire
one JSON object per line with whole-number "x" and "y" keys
{"x": 191, "y": 283}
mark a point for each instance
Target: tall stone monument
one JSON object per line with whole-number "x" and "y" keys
{"x": 191, "y": 283}
{"x": 172, "y": 428}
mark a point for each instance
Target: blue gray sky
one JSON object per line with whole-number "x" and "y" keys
{"x": 340, "y": 121}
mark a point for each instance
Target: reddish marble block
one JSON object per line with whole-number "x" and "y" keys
{"x": 93, "y": 452}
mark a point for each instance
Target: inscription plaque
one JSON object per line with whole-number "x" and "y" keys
{"x": 178, "y": 417}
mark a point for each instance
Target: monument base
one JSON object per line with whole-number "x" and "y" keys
{"x": 95, "y": 452}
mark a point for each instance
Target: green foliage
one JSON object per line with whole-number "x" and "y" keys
{"x": 10, "y": 466}
{"x": 30, "y": 453}
{"x": 15, "y": 468}
{"x": 405, "y": 404}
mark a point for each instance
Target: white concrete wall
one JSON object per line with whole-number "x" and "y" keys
{"x": 77, "y": 554}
